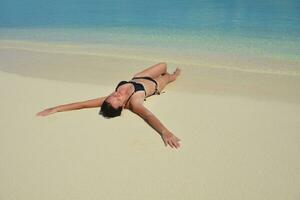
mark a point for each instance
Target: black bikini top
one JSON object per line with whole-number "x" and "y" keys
{"x": 137, "y": 87}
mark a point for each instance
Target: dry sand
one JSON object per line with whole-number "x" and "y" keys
{"x": 239, "y": 131}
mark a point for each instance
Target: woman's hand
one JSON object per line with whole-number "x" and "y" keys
{"x": 170, "y": 139}
{"x": 46, "y": 112}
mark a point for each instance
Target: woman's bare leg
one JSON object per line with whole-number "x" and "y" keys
{"x": 167, "y": 78}
{"x": 154, "y": 71}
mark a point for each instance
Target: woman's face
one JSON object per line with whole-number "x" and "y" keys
{"x": 115, "y": 99}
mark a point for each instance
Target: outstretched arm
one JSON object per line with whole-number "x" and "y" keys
{"x": 73, "y": 106}
{"x": 168, "y": 137}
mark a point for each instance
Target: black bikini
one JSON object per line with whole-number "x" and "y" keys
{"x": 156, "y": 91}
{"x": 139, "y": 86}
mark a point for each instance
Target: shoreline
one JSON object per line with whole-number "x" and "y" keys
{"x": 106, "y": 65}
{"x": 194, "y": 57}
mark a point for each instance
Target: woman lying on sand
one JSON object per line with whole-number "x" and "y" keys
{"x": 131, "y": 95}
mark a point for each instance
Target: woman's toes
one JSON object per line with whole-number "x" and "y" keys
{"x": 177, "y": 72}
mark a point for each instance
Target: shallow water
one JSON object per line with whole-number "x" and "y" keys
{"x": 276, "y": 18}
{"x": 269, "y": 29}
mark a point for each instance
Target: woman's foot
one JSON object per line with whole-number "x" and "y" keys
{"x": 175, "y": 74}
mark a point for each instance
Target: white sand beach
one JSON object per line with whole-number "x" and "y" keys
{"x": 239, "y": 131}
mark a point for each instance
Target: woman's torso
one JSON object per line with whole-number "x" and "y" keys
{"x": 139, "y": 95}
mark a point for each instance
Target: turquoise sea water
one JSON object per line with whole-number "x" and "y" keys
{"x": 269, "y": 28}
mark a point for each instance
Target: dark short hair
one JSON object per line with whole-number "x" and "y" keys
{"x": 108, "y": 111}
